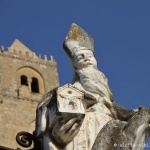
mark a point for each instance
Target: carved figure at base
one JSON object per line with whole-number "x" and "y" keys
{"x": 83, "y": 115}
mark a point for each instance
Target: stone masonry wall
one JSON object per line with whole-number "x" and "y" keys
{"x": 10, "y": 64}
{"x": 17, "y": 102}
{"x": 15, "y": 115}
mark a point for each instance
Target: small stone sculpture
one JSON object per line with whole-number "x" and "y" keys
{"x": 83, "y": 115}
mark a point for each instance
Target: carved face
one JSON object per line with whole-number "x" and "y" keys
{"x": 84, "y": 59}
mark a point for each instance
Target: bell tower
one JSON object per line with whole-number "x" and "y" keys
{"x": 24, "y": 78}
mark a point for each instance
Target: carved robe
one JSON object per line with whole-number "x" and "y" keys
{"x": 92, "y": 124}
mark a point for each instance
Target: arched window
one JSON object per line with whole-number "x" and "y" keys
{"x": 34, "y": 81}
{"x": 35, "y": 85}
{"x": 24, "y": 80}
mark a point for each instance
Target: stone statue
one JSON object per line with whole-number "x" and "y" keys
{"x": 83, "y": 115}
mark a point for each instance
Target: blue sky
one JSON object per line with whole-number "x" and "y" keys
{"x": 121, "y": 31}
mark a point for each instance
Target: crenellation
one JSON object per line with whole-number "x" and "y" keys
{"x": 21, "y": 54}
{"x": 2, "y": 48}
{"x": 45, "y": 57}
{"x": 40, "y": 56}
{"x": 18, "y": 98}
{"x": 51, "y": 58}
{"x": 33, "y": 59}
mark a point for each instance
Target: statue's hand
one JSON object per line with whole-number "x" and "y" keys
{"x": 64, "y": 131}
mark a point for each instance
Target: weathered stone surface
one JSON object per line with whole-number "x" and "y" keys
{"x": 76, "y": 133}
{"x": 16, "y": 115}
{"x": 105, "y": 125}
{"x": 18, "y": 101}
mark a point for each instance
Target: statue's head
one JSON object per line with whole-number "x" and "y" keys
{"x": 80, "y": 48}
{"x": 84, "y": 59}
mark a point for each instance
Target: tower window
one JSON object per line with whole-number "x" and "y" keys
{"x": 24, "y": 80}
{"x": 35, "y": 85}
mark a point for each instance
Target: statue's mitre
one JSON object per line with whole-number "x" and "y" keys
{"x": 77, "y": 39}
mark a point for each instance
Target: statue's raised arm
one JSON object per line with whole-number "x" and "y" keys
{"x": 83, "y": 115}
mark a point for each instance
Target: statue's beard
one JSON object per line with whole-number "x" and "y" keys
{"x": 93, "y": 81}
{"x": 88, "y": 73}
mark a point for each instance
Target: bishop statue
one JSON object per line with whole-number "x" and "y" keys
{"x": 83, "y": 115}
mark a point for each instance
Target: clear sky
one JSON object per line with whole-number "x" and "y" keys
{"x": 120, "y": 28}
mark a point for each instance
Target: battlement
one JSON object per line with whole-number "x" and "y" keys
{"x": 10, "y": 50}
{"x": 24, "y": 78}
{"x": 28, "y": 56}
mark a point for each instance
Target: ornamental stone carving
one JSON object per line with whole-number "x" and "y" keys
{"x": 83, "y": 115}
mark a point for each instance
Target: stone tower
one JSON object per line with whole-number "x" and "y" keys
{"x": 24, "y": 78}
